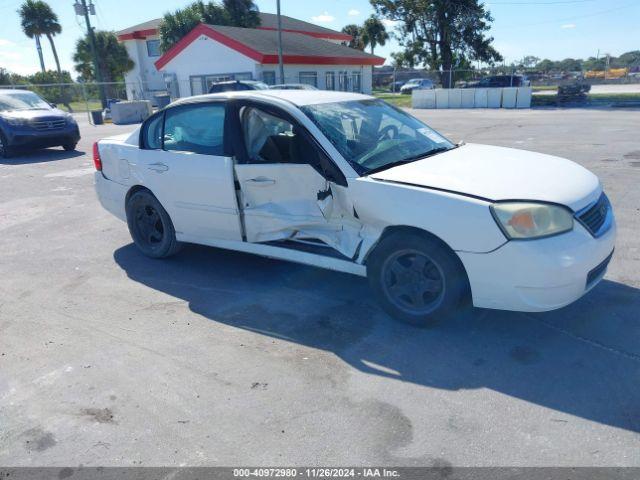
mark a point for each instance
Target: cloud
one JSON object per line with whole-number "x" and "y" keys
{"x": 6, "y": 43}
{"x": 569, "y": 25}
{"x": 324, "y": 18}
{"x": 353, "y": 12}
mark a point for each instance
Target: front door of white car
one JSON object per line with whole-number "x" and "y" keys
{"x": 184, "y": 164}
{"x": 283, "y": 195}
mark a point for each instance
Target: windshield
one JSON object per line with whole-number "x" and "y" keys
{"x": 22, "y": 101}
{"x": 373, "y": 135}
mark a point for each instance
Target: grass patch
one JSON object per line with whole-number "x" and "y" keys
{"x": 396, "y": 99}
{"x": 82, "y": 107}
{"x": 592, "y": 99}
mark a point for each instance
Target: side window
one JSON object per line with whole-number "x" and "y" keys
{"x": 152, "y": 138}
{"x": 195, "y": 128}
{"x": 267, "y": 138}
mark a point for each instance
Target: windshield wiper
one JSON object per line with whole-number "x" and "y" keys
{"x": 429, "y": 153}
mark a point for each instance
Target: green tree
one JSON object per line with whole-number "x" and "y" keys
{"x": 374, "y": 33}
{"x": 569, "y": 65}
{"x": 237, "y": 13}
{"x": 546, "y": 65}
{"x": 38, "y": 19}
{"x": 53, "y": 93}
{"x": 113, "y": 59}
{"x": 355, "y": 32}
{"x": 529, "y": 61}
{"x": 435, "y": 32}
{"x": 627, "y": 59}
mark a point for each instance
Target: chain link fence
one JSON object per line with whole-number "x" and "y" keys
{"x": 618, "y": 87}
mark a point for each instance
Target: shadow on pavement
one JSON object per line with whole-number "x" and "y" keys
{"x": 583, "y": 360}
{"x": 40, "y": 156}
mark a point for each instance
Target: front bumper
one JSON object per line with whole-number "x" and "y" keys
{"x": 25, "y": 137}
{"x": 539, "y": 275}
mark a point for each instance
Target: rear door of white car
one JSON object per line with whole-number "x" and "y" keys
{"x": 289, "y": 188}
{"x": 185, "y": 163}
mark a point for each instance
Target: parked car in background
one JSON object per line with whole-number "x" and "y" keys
{"x": 347, "y": 182}
{"x": 29, "y": 122}
{"x": 293, "y": 86}
{"x": 237, "y": 85}
{"x": 396, "y": 86}
{"x": 499, "y": 81}
{"x": 417, "y": 84}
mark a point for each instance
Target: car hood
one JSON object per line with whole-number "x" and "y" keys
{"x": 34, "y": 114}
{"x": 498, "y": 173}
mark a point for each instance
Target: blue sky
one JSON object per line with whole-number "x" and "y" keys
{"x": 553, "y": 29}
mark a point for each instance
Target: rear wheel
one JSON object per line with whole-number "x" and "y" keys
{"x": 69, "y": 147}
{"x": 416, "y": 278}
{"x": 150, "y": 226}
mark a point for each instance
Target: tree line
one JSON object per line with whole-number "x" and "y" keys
{"x": 626, "y": 60}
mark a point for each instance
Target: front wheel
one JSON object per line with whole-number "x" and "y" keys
{"x": 5, "y": 149}
{"x": 150, "y": 226}
{"x": 416, "y": 279}
{"x": 69, "y": 147}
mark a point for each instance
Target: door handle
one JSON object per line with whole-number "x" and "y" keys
{"x": 158, "y": 167}
{"x": 260, "y": 181}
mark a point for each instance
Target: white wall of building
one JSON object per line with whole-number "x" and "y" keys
{"x": 144, "y": 76}
{"x": 205, "y": 56}
{"x": 292, "y": 74}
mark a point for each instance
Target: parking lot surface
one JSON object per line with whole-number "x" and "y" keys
{"x": 222, "y": 358}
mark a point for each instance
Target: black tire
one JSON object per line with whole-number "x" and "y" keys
{"x": 69, "y": 147}
{"x": 150, "y": 226}
{"x": 5, "y": 150}
{"x": 416, "y": 278}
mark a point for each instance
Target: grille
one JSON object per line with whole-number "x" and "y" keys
{"x": 594, "y": 217}
{"x": 597, "y": 272}
{"x": 49, "y": 124}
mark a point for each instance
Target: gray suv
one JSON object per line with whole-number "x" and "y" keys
{"x": 29, "y": 122}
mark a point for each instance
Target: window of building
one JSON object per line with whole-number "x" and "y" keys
{"x": 153, "y": 48}
{"x": 308, "y": 78}
{"x": 356, "y": 83}
{"x": 330, "y": 80}
{"x": 269, "y": 77}
{"x": 343, "y": 81}
{"x": 195, "y": 128}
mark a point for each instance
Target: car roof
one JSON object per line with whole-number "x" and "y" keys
{"x": 297, "y": 97}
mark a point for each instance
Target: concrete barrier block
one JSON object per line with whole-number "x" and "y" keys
{"x": 130, "y": 112}
{"x": 524, "y": 97}
{"x": 481, "y": 97}
{"x": 442, "y": 98}
{"x": 455, "y": 98}
{"x": 467, "y": 98}
{"x": 509, "y": 96}
{"x": 423, "y": 99}
{"x": 494, "y": 97}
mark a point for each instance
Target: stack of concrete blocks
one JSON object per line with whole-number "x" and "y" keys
{"x": 136, "y": 111}
{"x": 510, "y": 97}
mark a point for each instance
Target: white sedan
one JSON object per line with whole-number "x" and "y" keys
{"x": 349, "y": 183}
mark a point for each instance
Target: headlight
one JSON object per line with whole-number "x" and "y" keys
{"x": 16, "y": 122}
{"x": 520, "y": 220}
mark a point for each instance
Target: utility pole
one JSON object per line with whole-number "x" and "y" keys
{"x": 280, "y": 62}
{"x": 82, "y": 9}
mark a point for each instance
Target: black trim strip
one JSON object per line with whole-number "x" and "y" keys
{"x": 427, "y": 187}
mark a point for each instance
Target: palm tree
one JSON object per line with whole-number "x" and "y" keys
{"x": 234, "y": 13}
{"x": 374, "y": 33}
{"x": 356, "y": 36}
{"x": 37, "y": 19}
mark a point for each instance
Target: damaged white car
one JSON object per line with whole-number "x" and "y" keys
{"x": 349, "y": 183}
